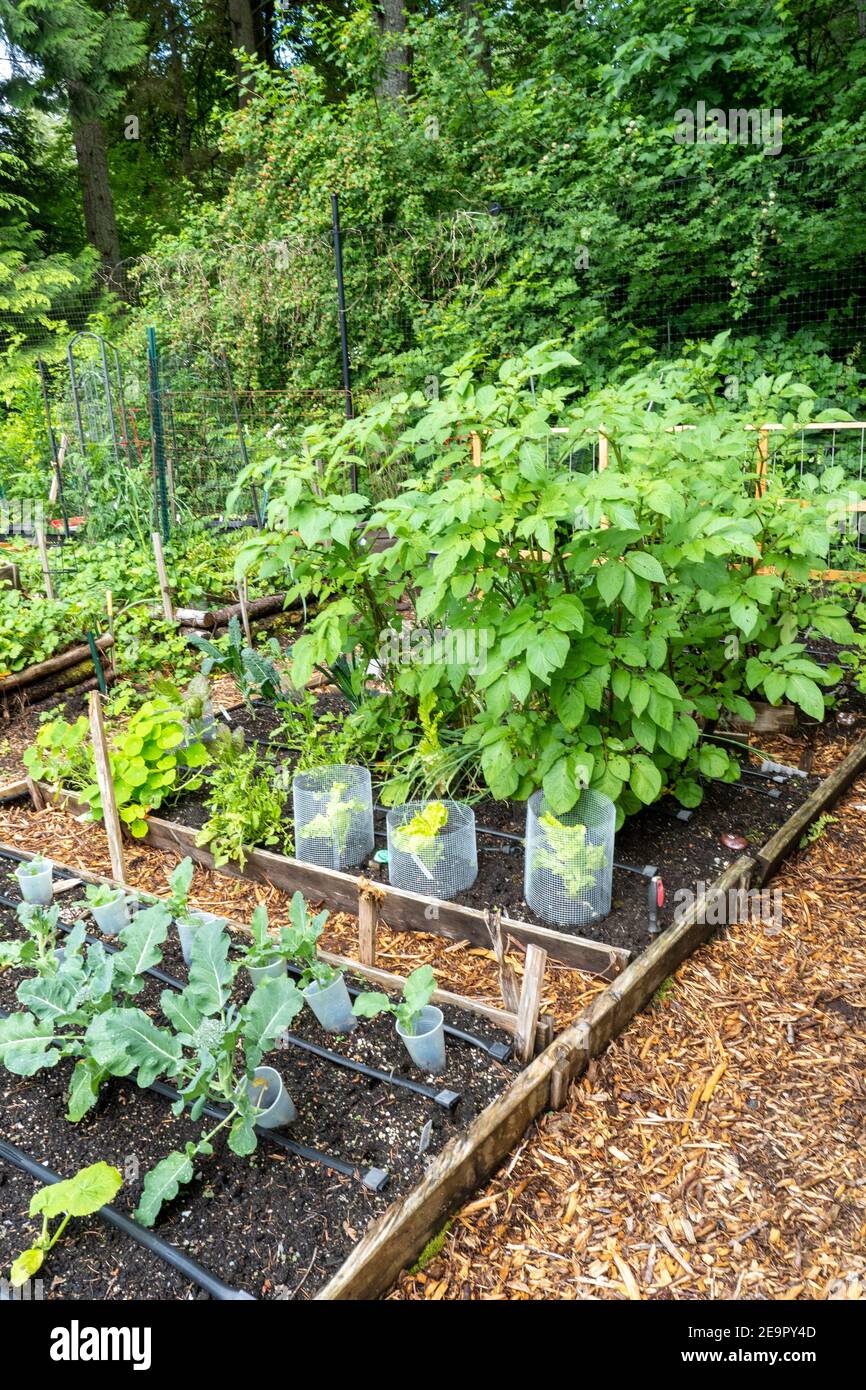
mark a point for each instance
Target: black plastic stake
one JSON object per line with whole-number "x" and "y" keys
{"x": 97, "y": 664}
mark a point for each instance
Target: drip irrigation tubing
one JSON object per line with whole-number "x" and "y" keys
{"x": 184, "y": 1264}
{"x": 373, "y": 1178}
{"x": 499, "y": 1051}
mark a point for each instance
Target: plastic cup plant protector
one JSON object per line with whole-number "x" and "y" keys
{"x": 36, "y": 881}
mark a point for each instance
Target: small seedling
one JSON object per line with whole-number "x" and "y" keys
{"x": 418, "y": 990}
{"x": 180, "y": 882}
{"x": 299, "y": 942}
{"x": 81, "y": 1195}
{"x": 37, "y": 865}
{"x": 101, "y": 894}
{"x": 265, "y": 949}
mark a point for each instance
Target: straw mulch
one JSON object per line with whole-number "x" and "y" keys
{"x": 458, "y": 966}
{"x": 715, "y": 1151}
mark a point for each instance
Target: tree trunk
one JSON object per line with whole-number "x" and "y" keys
{"x": 243, "y": 35}
{"x": 99, "y": 219}
{"x": 392, "y": 23}
{"x": 179, "y": 93}
{"x": 474, "y": 28}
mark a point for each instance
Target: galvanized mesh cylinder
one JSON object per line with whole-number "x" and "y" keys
{"x": 333, "y": 815}
{"x": 569, "y": 859}
{"x": 439, "y": 865}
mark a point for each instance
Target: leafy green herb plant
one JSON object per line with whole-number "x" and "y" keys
{"x": 83, "y": 1194}
{"x": 418, "y": 990}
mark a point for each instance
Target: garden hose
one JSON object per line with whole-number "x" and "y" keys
{"x": 169, "y": 1254}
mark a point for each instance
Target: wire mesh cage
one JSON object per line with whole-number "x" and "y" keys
{"x": 333, "y": 815}
{"x": 431, "y": 848}
{"x": 569, "y": 859}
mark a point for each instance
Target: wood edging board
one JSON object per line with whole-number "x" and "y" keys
{"x": 400, "y": 910}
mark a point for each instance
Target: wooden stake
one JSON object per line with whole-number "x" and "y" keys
{"x": 36, "y": 794}
{"x": 763, "y": 452}
{"x": 529, "y": 1005}
{"x": 162, "y": 576}
{"x": 245, "y": 614}
{"x": 475, "y": 447}
{"x": 54, "y": 490}
{"x": 43, "y": 560}
{"x": 508, "y": 986}
{"x": 106, "y": 787}
{"x": 602, "y": 449}
{"x": 368, "y": 926}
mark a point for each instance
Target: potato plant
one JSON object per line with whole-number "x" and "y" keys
{"x": 625, "y": 611}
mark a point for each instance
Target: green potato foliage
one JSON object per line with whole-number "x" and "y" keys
{"x": 623, "y": 612}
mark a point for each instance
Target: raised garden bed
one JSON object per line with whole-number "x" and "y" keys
{"x": 409, "y": 1222}
{"x": 57, "y": 673}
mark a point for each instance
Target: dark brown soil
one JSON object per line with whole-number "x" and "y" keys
{"x": 274, "y": 1225}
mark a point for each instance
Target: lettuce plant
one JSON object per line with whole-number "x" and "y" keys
{"x": 335, "y": 822}
{"x": 420, "y": 835}
{"x": 567, "y": 855}
{"x": 418, "y": 990}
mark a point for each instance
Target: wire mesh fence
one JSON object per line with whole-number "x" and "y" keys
{"x": 248, "y": 335}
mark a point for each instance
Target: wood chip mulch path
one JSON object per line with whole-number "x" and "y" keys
{"x": 715, "y": 1151}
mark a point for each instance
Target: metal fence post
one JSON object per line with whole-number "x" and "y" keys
{"x": 158, "y": 441}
